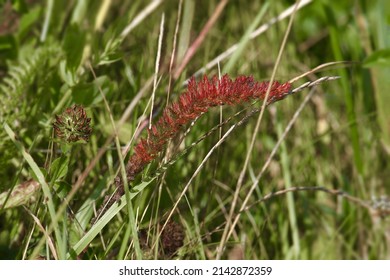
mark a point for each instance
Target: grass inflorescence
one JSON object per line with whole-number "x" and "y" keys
{"x": 129, "y": 130}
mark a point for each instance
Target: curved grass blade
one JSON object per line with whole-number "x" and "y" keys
{"x": 106, "y": 218}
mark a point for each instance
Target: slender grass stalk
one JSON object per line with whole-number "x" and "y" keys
{"x": 106, "y": 218}
{"x": 289, "y": 196}
{"x": 93, "y": 162}
{"x": 48, "y": 197}
{"x": 185, "y": 30}
{"x": 198, "y": 41}
{"x": 245, "y": 39}
{"x": 285, "y": 14}
{"x": 132, "y": 225}
{"x": 102, "y": 14}
{"x": 254, "y": 135}
{"x": 39, "y": 77}
{"x": 348, "y": 96}
{"x": 46, "y": 23}
{"x": 141, "y": 17}
{"x": 268, "y": 161}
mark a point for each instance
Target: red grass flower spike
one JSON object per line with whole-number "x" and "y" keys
{"x": 196, "y": 100}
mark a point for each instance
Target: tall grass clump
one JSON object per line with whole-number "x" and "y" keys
{"x": 152, "y": 130}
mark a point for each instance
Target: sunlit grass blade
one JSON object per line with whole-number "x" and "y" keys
{"x": 106, "y": 218}
{"x": 48, "y": 196}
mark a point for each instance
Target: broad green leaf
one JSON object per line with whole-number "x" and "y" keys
{"x": 19, "y": 6}
{"x": 27, "y": 22}
{"x": 8, "y": 47}
{"x": 378, "y": 58}
{"x": 59, "y": 168}
{"x": 68, "y": 76}
{"x": 73, "y": 47}
{"x": 88, "y": 94}
{"x": 62, "y": 188}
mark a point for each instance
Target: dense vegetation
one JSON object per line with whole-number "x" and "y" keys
{"x": 304, "y": 178}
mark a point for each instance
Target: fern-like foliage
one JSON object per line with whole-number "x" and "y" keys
{"x": 13, "y": 89}
{"x": 20, "y": 76}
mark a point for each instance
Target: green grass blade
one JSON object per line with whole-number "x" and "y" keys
{"x": 381, "y": 74}
{"x": 106, "y": 218}
{"x": 46, "y": 191}
{"x": 185, "y": 30}
{"x": 345, "y": 81}
{"x": 289, "y": 196}
{"x": 245, "y": 39}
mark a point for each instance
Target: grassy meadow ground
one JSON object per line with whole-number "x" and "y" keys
{"x": 303, "y": 179}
